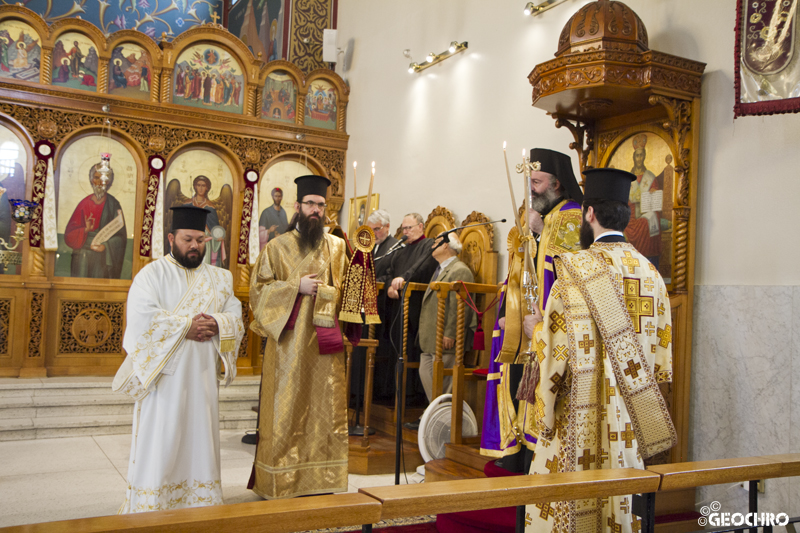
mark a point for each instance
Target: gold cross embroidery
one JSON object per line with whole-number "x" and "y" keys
{"x": 557, "y": 379}
{"x": 638, "y": 306}
{"x": 633, "y": 369}
{"x": 636, "y": 524}
{"x": 612, "y": 435}
{"x": 628, "y": 436}
{"x": 586, "y": 459}
{"x": 649, "y": 284}
{"x": 528, "y": 520}
{"x": 630, "y": 262}
{"x": 661, "y": 309}
{"x": 665, "y": 335}
{"x": 610, "y": 391}
{"x": 602, "y": 458}
{"x": 586, "y": 344}
{"x": 561, "y": 352}
{"x": 547, "y": 510}
{"x": 557, "y": 322}
{"x": 552, "y": 465}
{"x": 612, "y": 523}
{"x": 624, "y": 505}
{"x": 649, "y": 329}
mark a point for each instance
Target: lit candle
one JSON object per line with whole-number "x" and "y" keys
{"x": 511, "y": 190}
{"x": 369, "y": 194}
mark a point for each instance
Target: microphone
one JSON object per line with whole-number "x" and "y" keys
{"x": 446, "y": 234}
{"x": 395, "y": 246}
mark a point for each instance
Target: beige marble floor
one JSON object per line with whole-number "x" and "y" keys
{"x": 77, "y": 477}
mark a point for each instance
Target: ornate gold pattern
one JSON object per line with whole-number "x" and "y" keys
{"x": 310, "y": 17}
{"x": 679, "y": 126}
{"x": 246, "y": 339}
{"x": 35, "y": 326}
{"x": 440, "y": 211}
{"x": 146, "y": 239}
{"x": 476, "y": 217}
{"x": 5, "y": 324}
{"x": 91, "y": 328}
{"x": 81, "y": 338}
{"x": 47, "y": 129}
{"x": 37, "y": 195}
{"x": 244, "y": 227}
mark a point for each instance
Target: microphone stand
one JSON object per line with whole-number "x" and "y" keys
{"x": 399, "y": 393}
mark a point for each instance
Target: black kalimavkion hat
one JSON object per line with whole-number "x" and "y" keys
{"x": 189, "y": 217}
{"x": 311, "y": 184}
{"x": 607, "y": 184}
{"x": 560, "y": 166}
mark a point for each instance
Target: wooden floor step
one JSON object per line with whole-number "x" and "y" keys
{"x": 467, "y": 454}
{"x": 448, "y": 470}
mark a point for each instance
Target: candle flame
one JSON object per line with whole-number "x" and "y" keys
{"x": 373, "y": 164}
{"x": 523, "y": 152}
{"x": 355, "y": 164}
{"x": 504, "y": 145}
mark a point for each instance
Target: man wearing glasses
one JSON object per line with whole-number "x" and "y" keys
{"x": 412, "y": 264}
{"x": 294, "y": 294}
{"x": 379, "y": 222}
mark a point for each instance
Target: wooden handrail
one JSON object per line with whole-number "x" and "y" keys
{"x": 678, "y": 476}
{"x": 790, "y": 463}
{"x": 281, "y": 516}
{"x": 490, "y": 493}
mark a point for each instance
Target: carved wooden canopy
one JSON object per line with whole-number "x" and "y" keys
{"x": 604, "y": 68}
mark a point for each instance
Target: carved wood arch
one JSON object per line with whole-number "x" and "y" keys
{"x": 342, "y": 93}
{"x": 137, "y": 153}
{"x": 218, "y": 36}
{"x": 439, "y": 220}
{"x": 121, "y": 37}
{"x": 477, "y": 248}
{"x": 299, "y": 80}
{"x": 23, "y": 14}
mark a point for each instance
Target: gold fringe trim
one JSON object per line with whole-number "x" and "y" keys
{"x": 348, "y": 316}
{"x": 324, "y": 322}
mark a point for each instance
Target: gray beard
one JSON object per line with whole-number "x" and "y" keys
{"x": 543, "y": 203}
{"x": 99, "y": 192}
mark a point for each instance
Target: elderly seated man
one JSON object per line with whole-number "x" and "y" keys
{"x": 379, "y": 221}
{"x": 450, "y": 269}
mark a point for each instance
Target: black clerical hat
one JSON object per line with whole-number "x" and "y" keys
{"x": 189, "y": 217}
{"x": 560, "y": 166}
{"x": 607, "y": 184}
{"x": 311, "y": 184}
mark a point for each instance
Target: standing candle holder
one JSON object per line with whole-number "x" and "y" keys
{"x": 22, "y": 213}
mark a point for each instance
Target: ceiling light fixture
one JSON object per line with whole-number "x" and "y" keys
{"x": 533, "y": 9}
{"x": 433, "y": 58}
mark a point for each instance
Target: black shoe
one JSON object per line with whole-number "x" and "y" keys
{"x": 413, "y": 426}
{"x": 250, "y": 438}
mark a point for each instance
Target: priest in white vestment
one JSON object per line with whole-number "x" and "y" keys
{"x": 182, "y": 335}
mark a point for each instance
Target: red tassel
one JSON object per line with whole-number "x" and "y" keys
{"x": 478, "y": 341}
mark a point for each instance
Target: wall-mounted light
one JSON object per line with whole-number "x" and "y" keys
{"x": 433, "y": 58}
{"x": 534, "y": 9}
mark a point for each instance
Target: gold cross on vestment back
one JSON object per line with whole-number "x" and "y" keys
{"x": 586, "y": 459}
{"x": 628, "y": 436}
{"x": 586, "y": 344}
{"x": 638, "y": 306}
{"x": 630, "y": 262}
{"x": 633, "y": 369}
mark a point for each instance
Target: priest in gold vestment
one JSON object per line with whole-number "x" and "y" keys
{"x": 294, "y": 294}
{"x": 603, "y": 346}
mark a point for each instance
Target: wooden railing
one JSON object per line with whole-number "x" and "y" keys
{"x": 380, "y": 503}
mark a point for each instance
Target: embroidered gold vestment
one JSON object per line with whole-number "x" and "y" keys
{"x": 303, "y": 442}
{"x": 586, "y": 412}
{"x": 506, "y": 429}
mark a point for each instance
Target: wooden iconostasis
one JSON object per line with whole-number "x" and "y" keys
{"x": 200, "y": 116}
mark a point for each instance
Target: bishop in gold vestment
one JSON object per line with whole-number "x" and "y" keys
{"x": 303, "y": 443}
{"x": 603, "y": 346}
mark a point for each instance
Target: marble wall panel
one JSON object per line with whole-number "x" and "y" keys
{"x": 745, "y": 383}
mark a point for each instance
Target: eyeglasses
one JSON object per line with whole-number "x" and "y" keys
{"x": 320, "y": 205}
{"x": 376, "y": 229}
{"x": 408, "y": 228}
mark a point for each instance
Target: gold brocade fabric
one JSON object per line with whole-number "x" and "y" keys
{"x": 585, "y": 414}
{"x": 303, "y": 443}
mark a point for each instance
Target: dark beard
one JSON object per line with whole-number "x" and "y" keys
{"x": 186, "y": 261}
{"x": 545, "y": 202}
{"x": 587, "y": 235}
{"x": 311, "y": 230}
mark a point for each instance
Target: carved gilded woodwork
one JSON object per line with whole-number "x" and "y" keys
{"x": 609, "y": 89}
{"x": 439, "y": 220}
{"x": 309, "y": 19}
{"x": 90, "y": 327}
{"x": 5, "y": 325}
{"x": 36, "y": 324}
{"x": 52, "y": 116}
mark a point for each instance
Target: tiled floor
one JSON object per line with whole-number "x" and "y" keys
{"x": 76, "y": 477}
